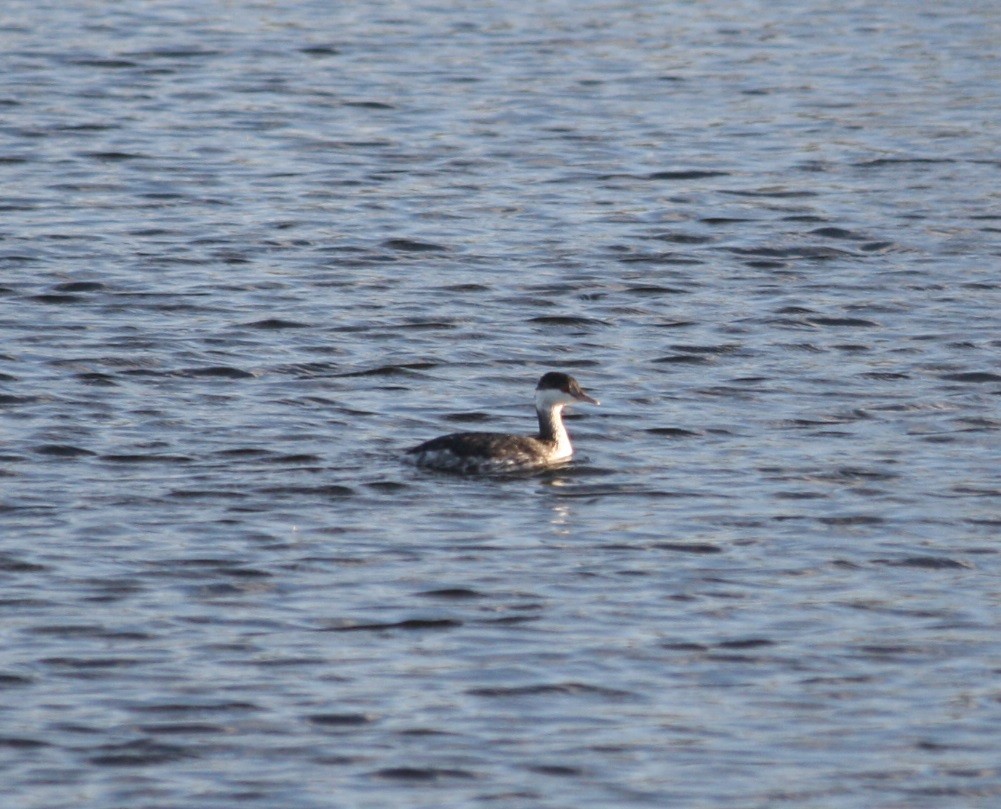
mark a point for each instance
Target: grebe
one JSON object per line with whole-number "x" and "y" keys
{"x": 498, "y": 452}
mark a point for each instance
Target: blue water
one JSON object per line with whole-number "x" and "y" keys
{"x": 250, "y": 252}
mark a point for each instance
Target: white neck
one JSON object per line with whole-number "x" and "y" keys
{"x": 549, "y": 405}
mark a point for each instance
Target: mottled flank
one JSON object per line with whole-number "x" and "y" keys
{"x": 468, "y": 453}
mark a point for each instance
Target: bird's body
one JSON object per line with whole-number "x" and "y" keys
{"x": 500, "y": 452}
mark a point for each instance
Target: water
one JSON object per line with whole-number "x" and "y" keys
{"x": 252, "y": 251}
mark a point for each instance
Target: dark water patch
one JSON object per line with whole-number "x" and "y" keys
{"x": 973, "y": 377}
{"x": 725, "y": 220}
{"x": 885, "y": 376}
{"x": 107, "y": 591}
{"x": 879, "y": 162}
{"x": 309, "y": 370}
{"x": 800, "y": 495}
{"x": 149, "y": 233}
{"x": 21, "y": 743}
{"x": 468, "y": 418}
{"x": 423, "y": 732}
{"x": 687, "y": 174}
{"x": 567, "y": 320}
{"x": 807, "y": 252}
{"x": 86, "y": 631}
{"x": 422, "y": 774}
{"x": 766, "y": 264}
{"x": 511, "y": 620}
{"x": 987, "y": 522}
{"x": 207, "y": 494}
{"x": 369, "y": 105}
{"x": 413, "y": 246}
{"x": 878, "y": 247}
{"x": 56, "y": 299}
{"x": 64, "y": 451}
{"x": 978, "y": 424}
{"x": 887, "y": 650}
{"x": 427, "y": 325}
{"x": 276, "y": 323}
{"x": 186, "y": 567}
{"x": 295, "y": 459}
{"x": 23, "y": 603}
{"x": 852, "y": 520}
{"x": 140, "y": 458}
{"x": 90, "y": 664}
{"x": 12, "y": 564}
{"x": 320, "y": 50}
{"x": 214, "y": 372}
{"x": 570, "y": 689}
{"x": 835, "y": 233}
{"x": 556, "y": 770}
{"x": 674, "y": 237}
{"x": 86, "y": 187}
{"x": 113, "y": 156}
{"x": 745, "y": 643}
{"x": 401, "y": 369}
{"x": 196, "y": 707}
{"x": 926, "y": 563}
{"x": 244, "y": 452}
{"x": 775, "y": 192}
{"x": 80, "y": 286}
{"x": 183, "y": 729}
{"x": 96, "y": 378}
{"x": 292, "y": 662}
{"x": 452, "y": 593}
{"x": 340, "y": 720}
{"x": 671, "y": 432}
{"x": 648, "y": 257}
{"x": 715, "y": 350}
{"x": 703, "y": 548}
{"x": 768, "y": 252}
{"x": 159, "y": 196}
{"x": 976, "y": 491}
{"x": 684, "y": 359}
{"x": 221, "y": 591}
{"x": 804, "y": 217}
{"x": 361, "y": 260}
{"x": 654, "y": 290}
{"x": 409, "y": 625}
{"x": 825, "y": 421}
{"x": 853, "y": 473}
{"x": 467, "y": 287}
{"x": 938, "y": 438}
{"x": 685, "y": 646}
{"x": 172, "y": 53}
{"x": 324, "y": 490}
{"x": 845, "y": 322}
{"x": 14, "y": 680}
{"x": 388, "y": 486}
{"x": 140, "y": 753}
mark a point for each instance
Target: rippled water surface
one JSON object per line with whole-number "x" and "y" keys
{"x": 249, "y": 252}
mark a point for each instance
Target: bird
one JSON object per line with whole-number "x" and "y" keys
{"x": 487, "y": 453}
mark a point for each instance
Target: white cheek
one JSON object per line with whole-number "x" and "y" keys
{"x": 546, "y": 399}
